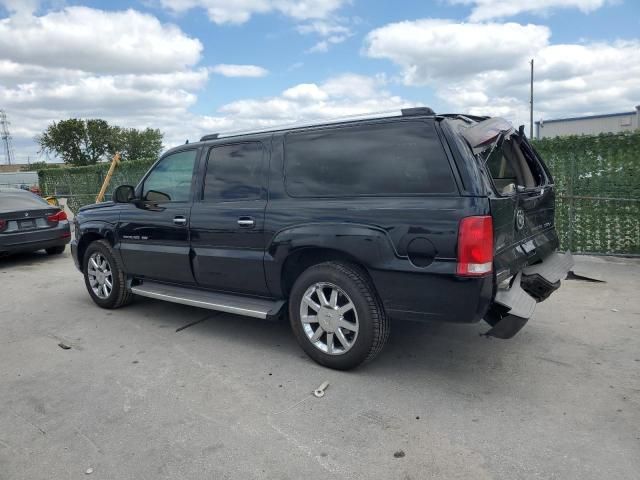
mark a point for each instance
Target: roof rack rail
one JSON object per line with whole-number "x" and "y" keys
{"x": 405, "y": 112}
{"x": 211, "y": 136}
{"x": 408, "y": 112}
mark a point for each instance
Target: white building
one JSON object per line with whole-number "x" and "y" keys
{"x": 590, "y": 125}
{"x": 17, "y": 179}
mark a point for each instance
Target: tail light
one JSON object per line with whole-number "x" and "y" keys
{"x": 3, "y": 224}
{"x": 57, "y": 217}
{"x": 475, "y": 246}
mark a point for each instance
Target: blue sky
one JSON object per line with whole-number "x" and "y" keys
{"x": 195, "y": 66}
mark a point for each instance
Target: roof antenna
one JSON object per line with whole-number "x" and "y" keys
{"x": 187, "y": 142}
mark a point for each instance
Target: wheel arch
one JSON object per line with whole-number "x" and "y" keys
{"x": 301, "y": 259}
{"x": 91, "y": 233}
{"x": 295, "y": 249}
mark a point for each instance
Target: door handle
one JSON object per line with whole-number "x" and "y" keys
{"x": 180, "y": 220}
{"x": 246, "y": 222}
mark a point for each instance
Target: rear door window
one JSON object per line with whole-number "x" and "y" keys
{"x": 386, "y": 159}
{"x": 234, "y": 172}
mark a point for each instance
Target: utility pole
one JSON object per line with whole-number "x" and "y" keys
{"x": 531, "y": 104}
{"x": 6, "y": 138}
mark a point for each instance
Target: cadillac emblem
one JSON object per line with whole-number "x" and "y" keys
{"x": 519, "y": 219}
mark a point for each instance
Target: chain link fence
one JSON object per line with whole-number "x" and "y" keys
{"x": 80, "y": 185}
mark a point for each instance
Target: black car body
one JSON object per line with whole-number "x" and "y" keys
{"x": 28, "y": 223}
{"x": 447, "y": 218}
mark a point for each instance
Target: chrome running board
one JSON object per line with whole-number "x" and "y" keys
{"x": 222, "y": 302}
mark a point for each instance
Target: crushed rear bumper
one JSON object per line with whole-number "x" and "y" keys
{"x": 514, "y": 305}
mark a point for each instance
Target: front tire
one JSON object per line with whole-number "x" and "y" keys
{"x": 336, "y": 315}
{"x": 104, "y": 276}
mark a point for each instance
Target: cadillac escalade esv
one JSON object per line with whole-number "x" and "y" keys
{"x": 345, "y": 226}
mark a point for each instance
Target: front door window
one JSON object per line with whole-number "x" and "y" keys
{"x": 170, "y": 180}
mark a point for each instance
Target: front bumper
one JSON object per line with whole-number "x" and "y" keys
{"x": 74, "y": 254}
{"x": 513, "y": 306}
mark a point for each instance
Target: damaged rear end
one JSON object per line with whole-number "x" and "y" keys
{"x": 526, "y": 263}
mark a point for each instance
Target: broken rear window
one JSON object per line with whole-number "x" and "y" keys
{"x": 512, "y": 165}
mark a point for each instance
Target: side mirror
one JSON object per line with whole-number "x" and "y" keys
{"x": 124, "y": 194}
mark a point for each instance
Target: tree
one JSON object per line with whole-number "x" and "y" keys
{"x": 138, "y": 144}
{"x": 79, "y": 142}
{"x": 86, "y": 142}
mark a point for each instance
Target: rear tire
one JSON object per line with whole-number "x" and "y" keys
{"x": 55, "y": 250}
{"x": 344, "y": 321}
{"x": 101, "y": 268}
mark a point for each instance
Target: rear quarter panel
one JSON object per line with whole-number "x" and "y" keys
{"x": 377, "y": 232}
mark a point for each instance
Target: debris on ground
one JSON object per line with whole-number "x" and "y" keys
{"x": 319, "y": 392}
{"x": 576, "y": 276}
{"x": 399, "y": 454}
{"x": 64, "y": 346}
{"x": 88, "y": 471}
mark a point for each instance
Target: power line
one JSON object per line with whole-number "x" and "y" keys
{"x": 6, "y": 138}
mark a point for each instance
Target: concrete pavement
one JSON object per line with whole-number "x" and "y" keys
{"x": 229, "y": 397}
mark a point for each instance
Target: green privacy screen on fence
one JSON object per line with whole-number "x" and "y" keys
{"x": 80, "y": 185}
{"x": 597, "y": 186}
{"x": 597, "y": 181}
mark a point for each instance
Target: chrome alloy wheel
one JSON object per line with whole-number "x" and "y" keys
{"x": 100, "y": 275}
{"x": 329, "y": 318}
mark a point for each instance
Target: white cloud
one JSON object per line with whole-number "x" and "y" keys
{"x": 36, "y": 91}
{"x": 490, "y": 9}
{"x": 240, "y": 70}
{"x": 482, "y": 68}
{"x": 240, "y": 11}
{"x": 331, "y": 32}
{"x": 123, "y": 66}
{"x": 97, "y": 41}
{"x": 339, "y": 96}
{"x": 351, "y": 85}
{"x": 323, "y": 45}
{"x": 20, "y": 7}
{"x": 305, "y": 92}
{"x": 323, "y": 28}
{"x": 431, "y": 49}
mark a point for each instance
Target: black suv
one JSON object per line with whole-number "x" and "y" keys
{"x": 342, "y": 225}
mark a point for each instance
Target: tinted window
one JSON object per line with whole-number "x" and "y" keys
{"x": 385, "y": 159}
{"x": 170, "y": 180}
{"x": 234, "y": 172}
